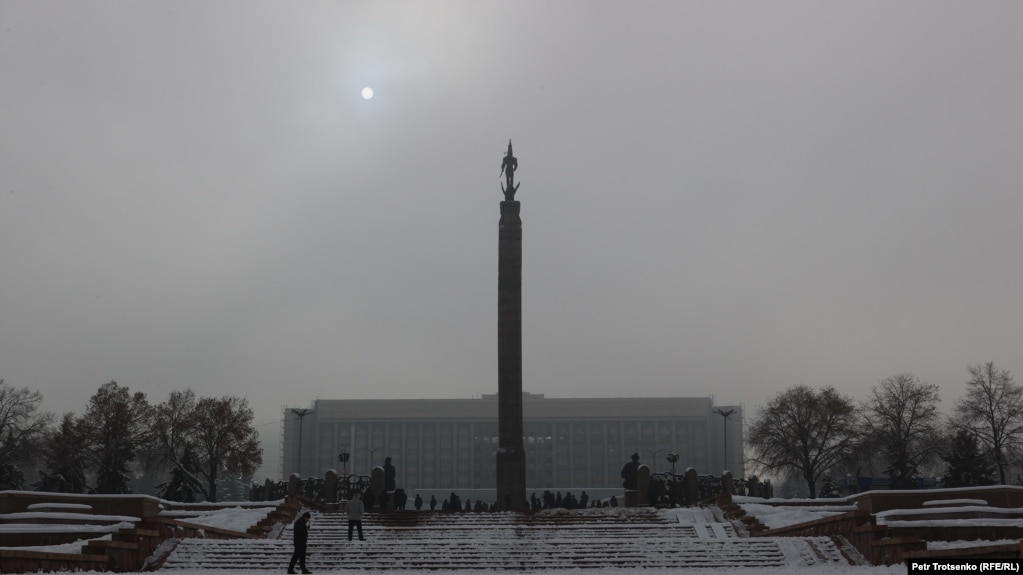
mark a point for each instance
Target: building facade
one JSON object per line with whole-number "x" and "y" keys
{"x": 452, "y": 444}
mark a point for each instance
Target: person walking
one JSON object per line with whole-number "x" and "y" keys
{"x": 355, "y": 510}
{"x": 301, "y": 529}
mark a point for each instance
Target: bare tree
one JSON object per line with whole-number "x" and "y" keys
{"x": 174, "y": 429}
{"x": 805, "y": 431}
{"x": 205, "y": 438}
{"x": 225, "y": 440}
{"x": 992, "y": 410}
{"x": 21, "y": 426}
{"x": 901, "y": 419}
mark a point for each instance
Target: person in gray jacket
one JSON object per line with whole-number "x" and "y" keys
{"x": 355, "y": 516}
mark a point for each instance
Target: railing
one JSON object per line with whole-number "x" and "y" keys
{"x": 665, "y": 488}
{"x": 316, "y": 489}
{"x": 349, "y": 485}
{"x": 268, "y": 491}
{"x": 690, "y": 489}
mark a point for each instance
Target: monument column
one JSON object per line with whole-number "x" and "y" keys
{"x": 511, "y": 457}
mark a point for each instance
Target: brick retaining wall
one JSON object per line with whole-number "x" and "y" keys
{"x": 128, "y": 549}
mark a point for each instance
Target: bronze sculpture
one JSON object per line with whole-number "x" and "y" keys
{"x": 508, "y": 167}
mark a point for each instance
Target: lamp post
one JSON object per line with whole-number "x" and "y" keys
{"x": 672, "y": 458}
{"x": 653, "y": 457}
{"x": 724, "y": 415}
{"x": 300, "y": 413}
{"x": 343, "y": 457}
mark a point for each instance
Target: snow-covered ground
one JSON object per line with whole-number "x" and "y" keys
{"x": 777, "y": 516}
{"x": 780, "y": 515}
{"x": 241, "y": 518}
{"x": 826, "y": 570}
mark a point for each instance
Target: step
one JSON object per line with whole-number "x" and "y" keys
{"x": 503, "y": 541}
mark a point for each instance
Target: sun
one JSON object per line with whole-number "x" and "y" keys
{"x": 367, "y": 93}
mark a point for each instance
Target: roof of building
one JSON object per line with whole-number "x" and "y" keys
{"x": 534, "y": 406}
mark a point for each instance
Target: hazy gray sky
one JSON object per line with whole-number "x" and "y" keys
{"x": 718, "y": 198}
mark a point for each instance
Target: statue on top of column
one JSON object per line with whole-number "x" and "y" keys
{"x": 508, "y": 167}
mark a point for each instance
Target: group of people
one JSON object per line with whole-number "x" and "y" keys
{"x": 555, "y": 501}
{"x": 384, "y": 502}
{"x": 355, "y": 509}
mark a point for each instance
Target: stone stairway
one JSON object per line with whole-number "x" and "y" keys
{"x": 598, "y": 538}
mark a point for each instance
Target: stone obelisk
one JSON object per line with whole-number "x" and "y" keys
{"x": 511, "y": 457}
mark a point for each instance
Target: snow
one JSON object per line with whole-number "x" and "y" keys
{"x": 912, "y": 517}
{"x": 235, "y": 518}
{"x": 63, "y": 528}
{"x": 70, "y": 517}
{"x": 241, "y": 518}
{"x": 75, "y": 547}
{"x": 1012, "y": 511}
{"x": 59, "y": 506}
{"x": 965, "y": 544}
{"x": 814, "y": 570}
{"x": 690, "y": 514}
{"x": 83, "y": 495}
{"x": 778, "y": 516}
{"x": 205, "y": 505}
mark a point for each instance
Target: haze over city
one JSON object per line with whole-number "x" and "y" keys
{"x": 718, "y": 199}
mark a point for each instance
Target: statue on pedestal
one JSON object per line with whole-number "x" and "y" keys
{"x": 508, "y": 167}
{"x": 630, "y": 472}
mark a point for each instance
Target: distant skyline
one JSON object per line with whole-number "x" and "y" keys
{"x": 718, "y": 199}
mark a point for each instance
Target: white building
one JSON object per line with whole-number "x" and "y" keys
{"x": 450, "y": 444}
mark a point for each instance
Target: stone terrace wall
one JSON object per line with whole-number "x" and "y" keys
{"x": 128, "y": 549}
{"x": 884, "y": 545}
{"x": 141, "y": 506}
{"x": 35, "y": 561}
{"x": 878, "y": 501}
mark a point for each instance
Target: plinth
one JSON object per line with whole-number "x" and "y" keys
{"x": 511, "y": 457}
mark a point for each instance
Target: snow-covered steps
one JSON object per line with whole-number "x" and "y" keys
{"x": 550, "y": 540}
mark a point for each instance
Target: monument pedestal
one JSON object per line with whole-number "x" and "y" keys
{"x": 511, "y": 456}
{"x": 632, "y": 498}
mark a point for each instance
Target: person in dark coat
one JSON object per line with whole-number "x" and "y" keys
{"x": 433, "y": 502}
{"x": 389, "y": 474}
{"x": 301, "y": 530}
{"x": 418, "y": 502}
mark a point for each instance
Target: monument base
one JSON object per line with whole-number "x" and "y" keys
{"x": 511, "y": 481}
{"x": 632, "y": 498}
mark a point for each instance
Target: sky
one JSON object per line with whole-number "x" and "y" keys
{"x": 718, "y": 198}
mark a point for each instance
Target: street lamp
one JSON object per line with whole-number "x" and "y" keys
{"x": 653, "y": 457}
{"x": 300, "y": 413}
{"x": 672, "y": 458}
{"x": 343, "y": 457}
{"x": 724, "y": 415}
